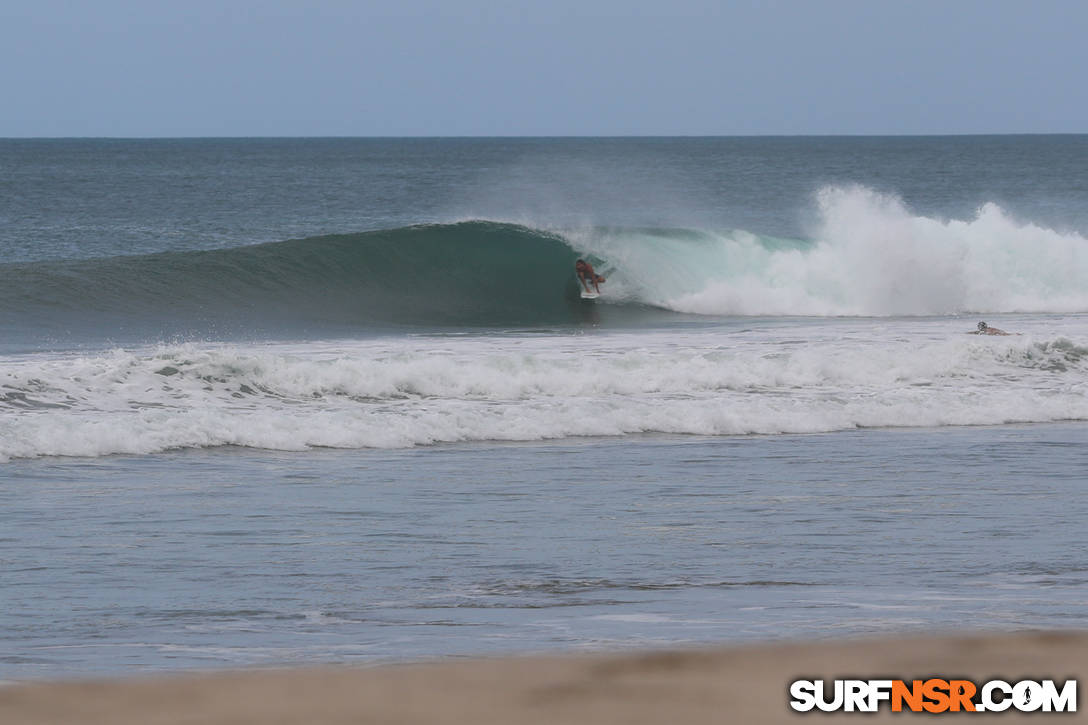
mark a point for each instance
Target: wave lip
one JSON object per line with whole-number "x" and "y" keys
{"x": 395, "y": 396}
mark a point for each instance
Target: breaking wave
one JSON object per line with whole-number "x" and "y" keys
{"x": 402, "y": 394}
{"x": 868, "y": 256}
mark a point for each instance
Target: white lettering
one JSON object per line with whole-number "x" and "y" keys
{"x": 879, "y": 690}
{"x": 1064, "y": 701}
{"x": 803, "y": 693}
{"x": 989, "y": 703}
{"x": 856, "y": 696}
{"x": 1027, "y": 696}
{"x": 835, "y": 703}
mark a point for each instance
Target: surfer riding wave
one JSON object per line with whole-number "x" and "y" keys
{"x": 586, "y": 275}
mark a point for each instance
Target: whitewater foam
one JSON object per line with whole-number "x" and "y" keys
{"x": 870, "y": 255}
{"x": 418, "y": 392}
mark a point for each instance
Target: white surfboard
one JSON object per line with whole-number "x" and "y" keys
{"x": 590, "y": 295}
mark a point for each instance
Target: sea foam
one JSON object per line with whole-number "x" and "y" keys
{"x": 408, "y": 393}
{"x": 869, "y": 255}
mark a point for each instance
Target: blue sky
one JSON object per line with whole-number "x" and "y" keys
{"x": 591, "y": 67}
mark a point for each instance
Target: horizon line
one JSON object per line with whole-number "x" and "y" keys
{"x": 538, "y": 137}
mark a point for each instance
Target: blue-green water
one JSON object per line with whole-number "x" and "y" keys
{"x": 280, "y": 401}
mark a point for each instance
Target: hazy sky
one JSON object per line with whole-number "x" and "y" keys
{"x": 554, "y": 67}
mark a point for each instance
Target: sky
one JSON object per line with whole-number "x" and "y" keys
{"x": 547, "y": 68}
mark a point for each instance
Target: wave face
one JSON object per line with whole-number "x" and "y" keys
{"x": 480, "y": 273}
{"x": 870, "y": 256}
{"x": 402, "y": 393}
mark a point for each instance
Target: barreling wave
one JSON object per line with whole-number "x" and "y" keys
{"x": 466, "y": 273}
{"x": 869, "y": 256}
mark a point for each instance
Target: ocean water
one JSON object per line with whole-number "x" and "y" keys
{"x": 280, "y": 401}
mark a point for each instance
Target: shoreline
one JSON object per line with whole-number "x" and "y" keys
{"x": 743, "y": 684}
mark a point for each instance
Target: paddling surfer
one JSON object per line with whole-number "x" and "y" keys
{"x": 984, "y": 329}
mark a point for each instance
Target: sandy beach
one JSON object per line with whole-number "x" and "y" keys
{"x": 737, "y": 684}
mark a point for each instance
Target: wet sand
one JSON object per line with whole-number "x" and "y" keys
{"x": 726, "y": 685}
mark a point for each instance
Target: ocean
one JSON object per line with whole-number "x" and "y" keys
{"x": 295, "y": 401}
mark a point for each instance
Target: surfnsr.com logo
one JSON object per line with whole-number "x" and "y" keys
{"x": 933, "y": 695}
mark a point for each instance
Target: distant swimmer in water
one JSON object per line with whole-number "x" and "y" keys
{"x": 984, "y": 329}
{"x": 587, "y": 275}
